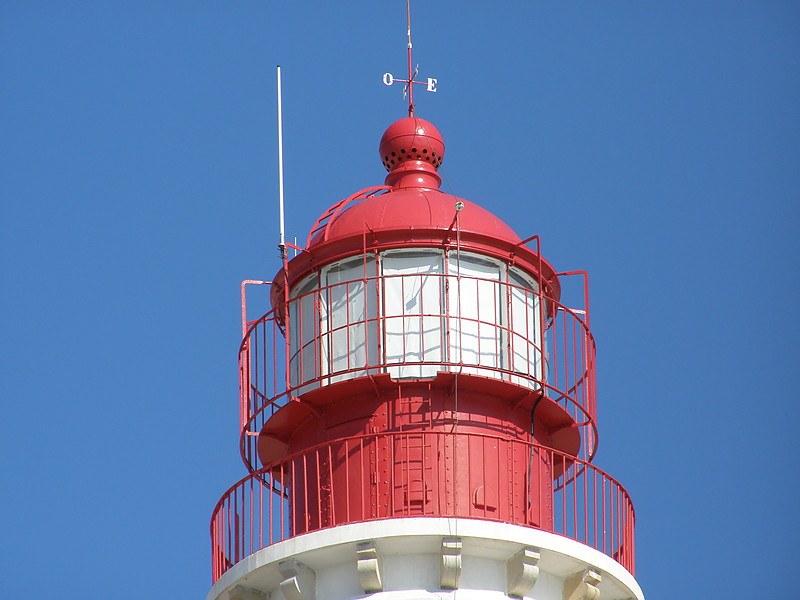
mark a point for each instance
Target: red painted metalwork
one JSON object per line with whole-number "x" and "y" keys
{"x": 384, "y": 479}
{"x": 322, "y": 224}
{"x": 412, "y": 150}
{"x": 244, "y": 373}
{"x": 413, "y": 218}
{"x": 462, "y": 388}
{"x": 567, "y": 349}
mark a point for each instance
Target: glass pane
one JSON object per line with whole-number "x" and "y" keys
{"x": 351, "y": 343}
{"x": 474, "y": 310}
{"x": 412, "y": 311}
{"x": 525, "y": 330}
{"x": 304, "y": 320}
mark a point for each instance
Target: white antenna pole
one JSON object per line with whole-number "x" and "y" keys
{"x": 282, "y": 244}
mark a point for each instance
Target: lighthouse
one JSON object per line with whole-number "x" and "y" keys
{"x": 418, "y": 410}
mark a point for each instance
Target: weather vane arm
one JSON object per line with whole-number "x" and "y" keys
{"x": 430, "y": 83}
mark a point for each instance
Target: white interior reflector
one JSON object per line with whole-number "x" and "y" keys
{"x": 351, "y": 325}
{"x": 474, "y": 310}
{"x": 304, "y": 332}
{"x": 412, "y": 312}
{"x": 431, "y": 312}
{"x": 525, "y": 331}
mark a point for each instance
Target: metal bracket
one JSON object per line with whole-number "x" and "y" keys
{"x": 521, "y": 572}
{"x": 582, "y": 586}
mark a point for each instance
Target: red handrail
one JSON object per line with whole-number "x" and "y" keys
{"x": 309, "y": 491}
{"x": 559, "y": 350}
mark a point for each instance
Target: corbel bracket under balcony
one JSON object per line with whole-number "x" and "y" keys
{"x": 299, "y": 581}
{"x": 369, "y": 562}
{"x": 242, "y": 593}
{"x": 582, "y": 586}
{"x": 451, "y": 563}
{"x": 521, "y": 572}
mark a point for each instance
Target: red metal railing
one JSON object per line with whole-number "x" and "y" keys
{"x": 527, "y": 339}
{"x": 372, "y": 477}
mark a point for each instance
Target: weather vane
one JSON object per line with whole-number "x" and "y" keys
{"x": 408, "y": 89}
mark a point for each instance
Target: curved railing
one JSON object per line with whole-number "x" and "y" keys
{"x": 535, "y": 342}
{"x": 378, "y": 476}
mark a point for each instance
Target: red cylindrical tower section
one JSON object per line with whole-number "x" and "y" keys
{"x": 425, "y": 351}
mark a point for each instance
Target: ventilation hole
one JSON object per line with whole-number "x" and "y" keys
{"x": 386, "y": 157}
{"x": 425, "y": 151}
{"x": 403, "y": 151}
{"x": 393, "y": 154}
{"x": 413, "y": 149}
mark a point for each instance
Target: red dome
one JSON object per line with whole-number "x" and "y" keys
{"x": 413, "y": 212}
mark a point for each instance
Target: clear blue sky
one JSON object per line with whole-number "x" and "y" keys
{"x": 655, "y": 144}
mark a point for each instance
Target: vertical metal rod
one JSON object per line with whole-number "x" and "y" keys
{"x": 410, "y": 62}
{"x": 241, "y": 515}
{"x": 391, "y": 441}
{"x": 261, "y": 514}
{"x": 608, "y": 515}
{"x": 349, "y": 323}
{"x": 291, "y": 512}
{"x": 318, "y": 474}
{"x": 274, "y": 337}
{"x": 347, "y": 487}
{"x": 282, "y": 242}
{"x": 236, "y": 526}
{"x": 227, "y": 533}
{"x": 565, "y": 517}
{"x": 594, "y": 508}
{"x": 331, "y": 482}
{"x": 250, "y": 526}
{"x": 214, "y": 534}
{"x": 586, "y": 500}
{"x": 365, "y": 478}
